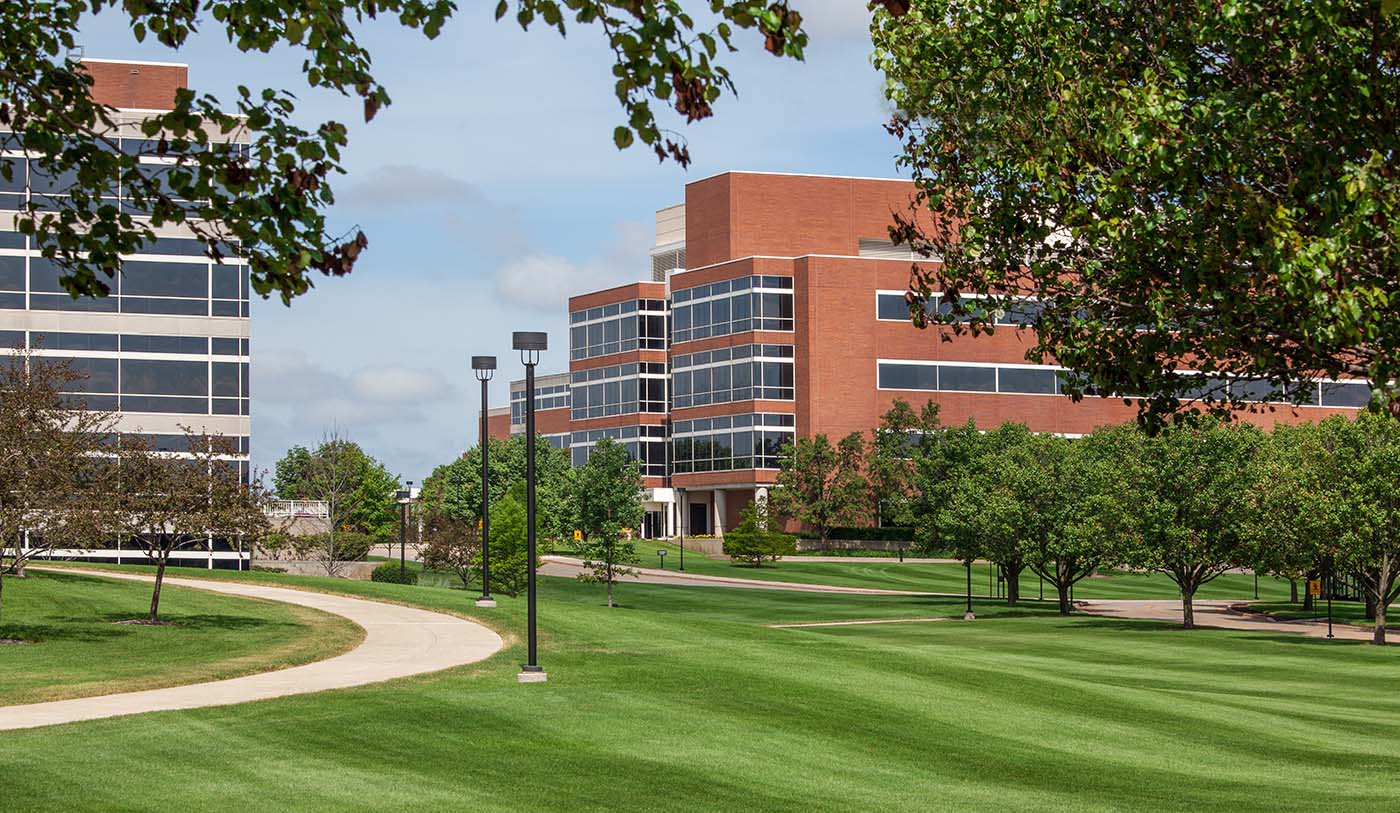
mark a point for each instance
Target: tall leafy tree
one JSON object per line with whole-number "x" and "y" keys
{"x": 998, "y": 500}
{"x": 608, "y": 498}
{"x": 1070, "y": 489}
{"x": 1189, "y": 490}
{"x": 455, "y": 488}
{"x": 890, "y": 465}
{"x": 1191, "y": 184}
{"x": 268, "y": 204}
{"x": 942, "y": 456}
{"x": 821, "y": 485}
{"x": 358, "y": 489}
{"x": 756, "y": 538}
{"x": 290, "y": 476}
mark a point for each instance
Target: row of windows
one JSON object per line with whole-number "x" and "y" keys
{"x": 644, "y": 444}
{"x": 159, "y": 403}
{"x": 124, "y": 304}
{"x": 747, "y": 419}
{"x": 893, "y": 307}
{"x": 733, "y": 381}
{"x": 142, "y": 278}
{"x": 176, "y": 246}
{"x": 617, "y": 309}
{"x": 181, "y": 443}
{"x": 620, "y": 335}
{"x": 729, "y": 450}
{"x": 554, "y": 397}
{"x": 618, "y": 371}
{"x": 1048, "y": 381}
{"x": 161, "y": 377}
{"x": 10, "y": 140}
{"x": 722, "y": 354}
{"x": 623, "y": 396}
{"x": 736, "y": 313}
{"x": 29, "y": 183}
{"x": 126, "y": 342}
{"x": 728, "y": 286}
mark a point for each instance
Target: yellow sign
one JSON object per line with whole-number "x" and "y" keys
{"x": 578, "y": 536}
{"x": 1314, "y": 587}
{"x": 478, "y": 525}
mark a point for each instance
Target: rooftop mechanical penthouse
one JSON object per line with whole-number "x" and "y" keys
{"x": 776, "y": 310}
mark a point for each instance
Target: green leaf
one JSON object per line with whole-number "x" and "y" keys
{"x": 622, "y": 137}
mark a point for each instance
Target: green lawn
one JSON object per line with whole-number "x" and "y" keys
{"x": 683, "y": 699}
{"x": 1343, "y": 612}
{"x": 949, "y": 578}
{"x": 76, "y": 650}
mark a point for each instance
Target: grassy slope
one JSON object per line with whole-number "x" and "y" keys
{"x": 682, "y": 699}
{"x": 77, "y": 651}
{"x": 948, "y": 578}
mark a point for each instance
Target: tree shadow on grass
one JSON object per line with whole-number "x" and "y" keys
{"x": 107, "y": 626}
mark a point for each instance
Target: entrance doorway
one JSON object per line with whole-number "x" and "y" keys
{"x": 699, "y": 519}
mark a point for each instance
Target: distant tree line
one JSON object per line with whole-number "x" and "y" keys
{"x": 1192, "y": 502}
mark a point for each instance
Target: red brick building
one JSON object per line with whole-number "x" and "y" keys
{"x": 786, "y": 313}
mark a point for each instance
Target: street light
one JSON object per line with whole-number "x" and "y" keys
{"x": 968, "y": 616}
{"x": 405, "y": 496}
{"x": 680, "y": 522}
{"x": 530, "y": 344}
{"x": 484, "y": 367}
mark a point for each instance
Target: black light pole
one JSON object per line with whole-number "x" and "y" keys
{"x": 968, "y": 616}
{"x": 530, "y": 344}
{"x": 484, "y": 367}
{"x": 680, "y": 521}
{"x": 405, "y": 495}
{"x": 1329, "y": 605}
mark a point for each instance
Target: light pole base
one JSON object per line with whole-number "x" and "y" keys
{"x": 968, "y": 616}
{"x": 528, "y": 675}
{"x": 486, "y": 602}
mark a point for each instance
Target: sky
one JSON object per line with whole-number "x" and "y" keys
{"x": 491, "y": 191}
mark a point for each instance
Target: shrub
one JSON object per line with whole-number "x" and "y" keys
{"x": 390, "y": 573}
{"x": 350, "y": 546}
{"x": 753, "y": 541}
{"x": 887, "y": 534}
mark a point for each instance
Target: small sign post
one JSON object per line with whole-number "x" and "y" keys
{"x": 578, "y": 535}
{"x": 662, "y": 555}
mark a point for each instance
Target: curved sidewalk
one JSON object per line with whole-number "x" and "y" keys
{"x": 399, "y": 641}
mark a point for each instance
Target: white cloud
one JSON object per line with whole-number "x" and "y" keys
{"x": 398, "y": 385}
{"x": 407, "y": 185}
{"x": 545, "y": 281}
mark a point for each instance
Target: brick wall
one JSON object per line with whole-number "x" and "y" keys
{"x": 141, "y": 86}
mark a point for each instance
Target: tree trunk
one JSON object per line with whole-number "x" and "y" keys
{"x": 610, "y": 581}
{"x": 1188, "y": 614}
{"x": 1292, "y": 591}
{"x": 1013, "y": 588}
{"x": 155, "y": 594}
{"x": 1379, "y": 636}
{"x": 1063, "y": 589}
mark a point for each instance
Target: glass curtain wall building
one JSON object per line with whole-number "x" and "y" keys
{"x": 169, "y": 347}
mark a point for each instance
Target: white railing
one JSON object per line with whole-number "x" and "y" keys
{"x": 299, "y": 508}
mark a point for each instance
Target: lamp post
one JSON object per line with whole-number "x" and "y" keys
{"x": 968, "y": 616}
{"x": 530, "y": 344}
{"x": 680, "y": 522}
{"x": 484, "y": 367}
{"x": 405, "y": 496}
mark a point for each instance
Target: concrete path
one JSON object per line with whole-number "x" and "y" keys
{"x": 399, "y": 641}
{"x": 1219, "y": 614}
{"x": 570, "y": 567}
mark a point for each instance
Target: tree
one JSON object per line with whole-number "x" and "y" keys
{"x": 821, "y": 485}
{"x": 754, "y": 540}
{"x": 509, "y": 544}
{"x": 165, "y": 502}
{"x": 608, "y": 498}
{"x": 291, "y": 475}
{"x": 1189, "y": 490}
{"x": 455, "y": 488}
{"x": 334, "y": 477}
{"x": 1072, "y": 493}
{"x": 1190, "y": 186}
{"x": 890, "y": 466}
{"x": 358, "y": 489}
{"x": 1296, "y": 515}
{"x": 267, "y": 204}
{"x": 1353, "y": 465}
{"x": 941, "y": 457}
{"x": 47, "y": 456}
{"x": 997, "y": 500}
{"x": 452, "y": 545}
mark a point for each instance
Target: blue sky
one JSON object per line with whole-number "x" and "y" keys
{"x": 491, "y": 191}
